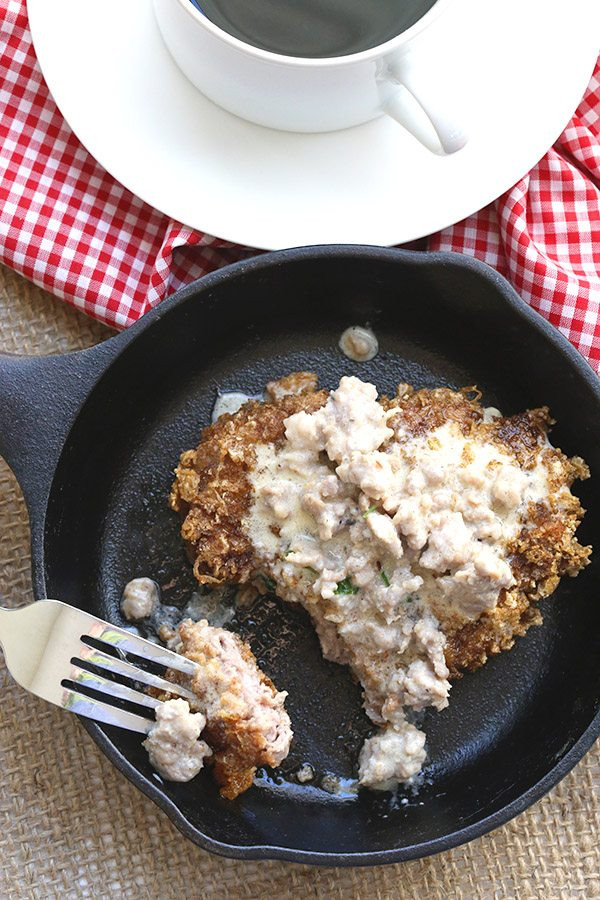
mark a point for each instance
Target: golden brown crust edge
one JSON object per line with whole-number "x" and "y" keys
{"x": 238, "y": 747}
{"x": 211, "y": 490}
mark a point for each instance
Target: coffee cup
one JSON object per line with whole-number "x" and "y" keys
{"x": 405, "y": 77}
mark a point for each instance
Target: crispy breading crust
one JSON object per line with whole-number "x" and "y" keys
{"x": 238, "y": 746}
{"x": 545, "y": 550}
{"x": 212, "y": 492}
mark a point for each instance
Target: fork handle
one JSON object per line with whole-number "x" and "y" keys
{"x": 12, "y": 628}
{"x": 5, "y": 622}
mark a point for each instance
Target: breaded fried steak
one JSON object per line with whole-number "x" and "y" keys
{"x": 417, "y": 531}
{"x": 238, "y": 711}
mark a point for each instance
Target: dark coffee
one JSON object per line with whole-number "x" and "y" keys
{"x": 314, "y": 28}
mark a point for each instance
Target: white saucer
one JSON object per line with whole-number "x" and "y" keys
{"x": 115, "y": 83}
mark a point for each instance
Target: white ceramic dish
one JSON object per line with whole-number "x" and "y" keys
{"x": 409, "y": 77}
{"x": 526, "y": 65}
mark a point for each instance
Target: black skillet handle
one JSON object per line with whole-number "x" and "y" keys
{"x": 39, "y": 400}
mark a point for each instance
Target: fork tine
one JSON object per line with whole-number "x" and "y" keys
{"x": 102, "y": 712}
{"x": 128, "y": 670}
{"x": 131, "y": 643}
{"x": 112, "y": 688}
{"x": 43, "y": 641}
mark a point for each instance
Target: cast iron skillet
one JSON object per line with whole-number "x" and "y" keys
{"x": 93, "y": 438}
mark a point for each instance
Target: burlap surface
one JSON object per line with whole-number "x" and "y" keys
{"x": 72, "y": 826}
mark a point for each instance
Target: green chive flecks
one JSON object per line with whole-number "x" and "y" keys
{"x": 346, "y": 587}
{"x": 384, "y": 578}
{"x": 369, "y": 511}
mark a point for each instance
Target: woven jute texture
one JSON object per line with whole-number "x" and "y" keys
{"x": 72, "y": 826}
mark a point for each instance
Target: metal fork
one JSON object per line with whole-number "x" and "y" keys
{"x": 54, "y": 650}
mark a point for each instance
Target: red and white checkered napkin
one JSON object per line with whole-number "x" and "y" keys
{"x": 66, "y": 224}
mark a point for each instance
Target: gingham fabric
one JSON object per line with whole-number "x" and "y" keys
{"x": 67, "y": 225}
{"x": 544, "y": 233}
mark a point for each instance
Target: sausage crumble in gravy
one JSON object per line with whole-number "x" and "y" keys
{"x": 417, "y": 531}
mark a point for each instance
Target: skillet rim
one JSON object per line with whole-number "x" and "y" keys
{"x": 517, "y": 307}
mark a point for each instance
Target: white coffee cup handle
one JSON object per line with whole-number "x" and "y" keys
{"x": 423, "y": 104}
